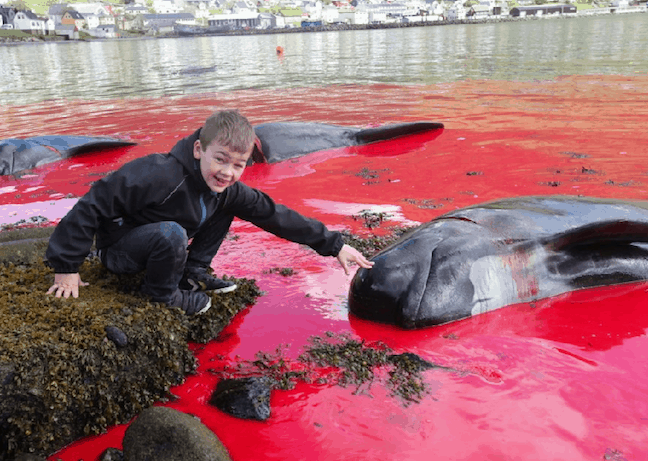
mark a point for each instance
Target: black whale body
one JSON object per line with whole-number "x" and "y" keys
{"x": 17, "y": 155}
{"x": 491, "y": 255}
{"x": 277, "y": 141}
{"x": 285, "y": 140}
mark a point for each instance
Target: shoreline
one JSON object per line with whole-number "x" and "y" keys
{"x": 8, "y": 41}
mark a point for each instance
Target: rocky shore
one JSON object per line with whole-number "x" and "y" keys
{"x": 71, "y": 368}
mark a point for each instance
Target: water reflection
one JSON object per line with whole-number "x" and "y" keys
{"x": 541, "y": 49}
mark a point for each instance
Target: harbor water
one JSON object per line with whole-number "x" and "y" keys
{"x": 522, "y": 51}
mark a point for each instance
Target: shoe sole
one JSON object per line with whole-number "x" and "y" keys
{"x": 226, "y": 289}
{"x": 204, "y": 309}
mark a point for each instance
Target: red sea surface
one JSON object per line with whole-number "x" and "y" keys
{"x": 565, "y": 378}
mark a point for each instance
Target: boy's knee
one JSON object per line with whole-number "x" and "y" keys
{"x": 174, "y": 234}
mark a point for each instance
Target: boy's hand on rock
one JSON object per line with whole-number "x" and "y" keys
{"x": 349, "y": 255}
{"x": 66, "y": 285}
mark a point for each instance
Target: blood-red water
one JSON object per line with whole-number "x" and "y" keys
{"x": 562, "y": 379}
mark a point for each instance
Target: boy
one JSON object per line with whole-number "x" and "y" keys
{"x": 144, "y": 214}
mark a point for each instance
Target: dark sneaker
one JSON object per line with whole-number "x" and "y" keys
{"x": 190, "y": 302}
{"x": 201, "y": 280}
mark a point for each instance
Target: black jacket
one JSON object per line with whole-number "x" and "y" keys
{"x": 170, "y": 187}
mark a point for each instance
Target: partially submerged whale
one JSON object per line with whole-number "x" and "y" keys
{"x": 23, "y": 154}
{"x": 491, "y": 255}
{"x": 276, "y": 142}
{"x": 285, "y": 140}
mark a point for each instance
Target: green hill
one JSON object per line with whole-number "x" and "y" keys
{"x": 40, "y": 7}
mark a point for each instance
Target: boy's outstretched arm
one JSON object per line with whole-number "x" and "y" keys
{"x": 66, "y": 285}
{"x": 349, "y": 255}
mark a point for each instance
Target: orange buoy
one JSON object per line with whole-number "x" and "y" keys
{"x": 280, "y": 50}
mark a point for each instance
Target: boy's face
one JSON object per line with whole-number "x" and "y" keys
{"x": 220, "y": 166}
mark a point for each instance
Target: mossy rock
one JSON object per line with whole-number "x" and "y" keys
{"x": 63, "y": 372}
{"x": 168, "y": 434}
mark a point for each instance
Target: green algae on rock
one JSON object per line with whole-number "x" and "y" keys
{"x": 62, "y": 378}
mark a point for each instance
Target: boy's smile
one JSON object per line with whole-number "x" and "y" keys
{"x": 219, "y": 165}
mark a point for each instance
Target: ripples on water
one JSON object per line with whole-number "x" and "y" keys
{"x": 542, "y": 49}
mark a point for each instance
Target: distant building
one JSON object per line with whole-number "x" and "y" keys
{"x": 69, "y": 31}
{"x": 74, "y": 18}
{"x": 104, "y": 31}
{"x": 160, "y": 23}
{"x": 7, "y": 14}
{"x": 27, "y": 21}
{"x": 541, "y": 10}
{"x": 89, "y": 8}
{"x": 267, "y": 21}
{"x": 457, "y": 12}
{"x": 354, "y": 17}
{"x": 56, "y": 12}
{"x": 330, "y": 14}
{"x": 479, "y": 12}
{"x": 235, "y": 21}
{"x": 389, "y": 9}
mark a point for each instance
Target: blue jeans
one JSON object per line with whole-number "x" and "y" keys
{"x": 161, "y": 250}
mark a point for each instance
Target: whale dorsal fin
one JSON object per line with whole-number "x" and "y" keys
{"x": 383, "y": 133}
{"x": 616, "y": 231}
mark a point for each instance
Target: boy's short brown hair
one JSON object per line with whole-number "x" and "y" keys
{"x": 229, "y": 128}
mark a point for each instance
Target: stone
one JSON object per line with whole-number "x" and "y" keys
{"x": 161, "y": 433}
{"x": 111, "y": 454}
{"x": 117, "y": 336}
{"x": 246, "y": 398}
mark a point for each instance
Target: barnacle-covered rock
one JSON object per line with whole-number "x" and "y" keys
{"x": 164, "y": 433}
{"x": 62, "y": 378}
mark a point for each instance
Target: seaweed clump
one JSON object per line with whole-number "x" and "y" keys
{"x": 372, "y": 244}
{"x": 338, "y": 359}
{"x": 72, "y": 367}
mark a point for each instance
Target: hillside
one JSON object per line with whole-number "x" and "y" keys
{"x": 40, "y": 7}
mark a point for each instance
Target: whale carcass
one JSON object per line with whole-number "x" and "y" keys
{"x": 488, "y": 256}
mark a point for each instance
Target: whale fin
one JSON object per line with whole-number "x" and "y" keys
{"x": 606, "y": 232}
{"x": 22, "y": 154}
{"x": 383, "y": 133}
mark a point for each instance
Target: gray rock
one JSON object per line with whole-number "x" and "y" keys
{"x": 247, "y": 398}
{"x": 161, "y": 433}
{"x": 117, "y": 336}
{"x": 111, "y": 454}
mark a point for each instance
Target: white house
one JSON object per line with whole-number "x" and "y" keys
{"x": 166, "y": 7}
{"x": 354, "y": 17}
{"x": 92, "y": 20}
{"x": 89, "y": 8}
{"x": 28, "y": 21}
{"x": 314, "y": 10}
{"x": 104, "y": 31}
{"x": 330, "y": 14}
{"x": 457, "y": 12}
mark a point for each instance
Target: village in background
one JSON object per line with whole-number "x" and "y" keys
{"x": 21, "y": 20}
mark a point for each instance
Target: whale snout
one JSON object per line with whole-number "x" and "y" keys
{"x": 379, "y": 293}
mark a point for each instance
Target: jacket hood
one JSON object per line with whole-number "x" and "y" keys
{"x": 183, "y": 152}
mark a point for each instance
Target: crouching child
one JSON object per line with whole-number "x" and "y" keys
{"x": 145, "y": 214}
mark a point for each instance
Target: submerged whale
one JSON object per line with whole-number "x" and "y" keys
{"x": 17, "y": 155}
{"x": 275, "y": 142}
{"x": 285, "y": 140}
{"x": 491, "y": 255}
